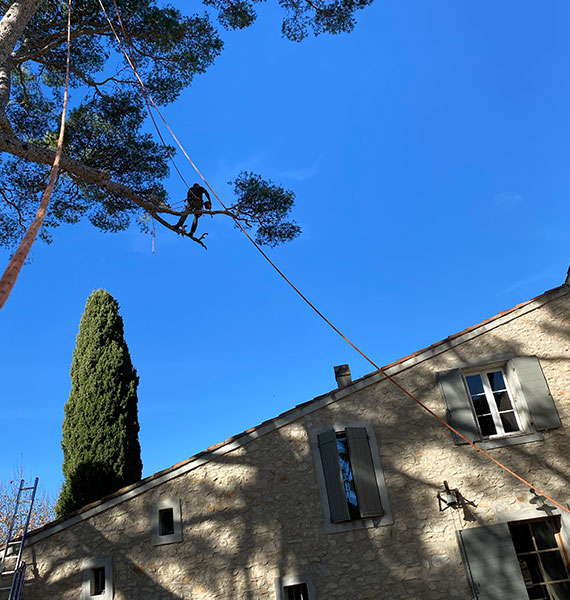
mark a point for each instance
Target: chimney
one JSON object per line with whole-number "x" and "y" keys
{"x": 342, "y": 374}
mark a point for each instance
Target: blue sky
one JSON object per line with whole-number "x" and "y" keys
{"x": 429, "y": 152}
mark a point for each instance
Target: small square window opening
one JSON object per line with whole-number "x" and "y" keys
{"x": 494, "y": 408}
{"x": 98, "y": 581}
{"x": 296, "y": 592}
{"x": 166, "y": 521}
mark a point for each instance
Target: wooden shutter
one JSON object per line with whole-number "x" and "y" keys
{"x": 333, "y": 477}
{"x": 458, "y": 403}
{"x": 491, "y": 563}
{"x": 536, "y": 393}
{"x": 367, "y": 493}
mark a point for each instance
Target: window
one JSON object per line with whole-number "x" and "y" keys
{"x": 98, "y": 578}
{"x": 98, "y": 581}
{"x": 518, "y": 559}
{"x": 296, "y": 592}
{"x": 494, "y": 408}
{"x": 295, "y": 587}
{"x": 166, "y": 522}
{"x": 541, "y": 562}
{"x": 349, "y": 476}
{"x": 505, "y": 403}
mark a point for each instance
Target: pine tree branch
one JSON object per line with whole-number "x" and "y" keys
{"x": 102, "y": 179}
{"x": 75, "y": 168}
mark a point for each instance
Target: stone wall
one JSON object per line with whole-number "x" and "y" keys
{"x": 251, "y": 511}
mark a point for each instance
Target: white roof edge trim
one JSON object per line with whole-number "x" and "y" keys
{"x": 301, "y": 411}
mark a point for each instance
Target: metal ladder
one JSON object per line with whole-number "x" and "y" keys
{"x": 11, "y": 563}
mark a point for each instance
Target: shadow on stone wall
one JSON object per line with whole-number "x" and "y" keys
{"x": 236, "y": 531}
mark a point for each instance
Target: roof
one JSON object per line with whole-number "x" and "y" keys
{"x": 294, "y": 414}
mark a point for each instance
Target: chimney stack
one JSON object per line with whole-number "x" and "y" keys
{"x": 342, "y": 374}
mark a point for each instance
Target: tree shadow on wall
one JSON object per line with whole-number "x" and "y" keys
{"x": 254, "y": 513}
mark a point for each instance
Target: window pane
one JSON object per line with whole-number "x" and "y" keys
{"x": 481, "y": 405}
{"x": 474, "y": 384}
{"x": 166, "y": 521}
{"x": 522, "y": 539}
{"x": 503, "y": 401}
{"x": 487, "y": 426}
{"x": 347, "y": 475}
{"x": 496, "y": 380}
{"x": 544, "y": 535}
{"x": 509, "y": 422}
{"x": 297, "y": 592}
{"x": 538, "y": 592}
{"x": 553, "y": 565}
{"x": 98, "y": 581}
{"x": 560, "y": 591}
{"x": 530, "y": 569}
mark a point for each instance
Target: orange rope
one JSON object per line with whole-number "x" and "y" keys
{"x": 8, "y": 280}
{"x": 310, "y": 304}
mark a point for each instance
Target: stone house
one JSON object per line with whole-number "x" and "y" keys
{"x": 343, "y": 497}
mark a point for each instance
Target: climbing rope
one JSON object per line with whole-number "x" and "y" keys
{"x": 147, "y": 94}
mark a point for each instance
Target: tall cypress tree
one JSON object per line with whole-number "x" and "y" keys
{"x": 101, "y": 450}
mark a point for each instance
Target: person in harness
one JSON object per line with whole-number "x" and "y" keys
{"x": 194, "y": 205}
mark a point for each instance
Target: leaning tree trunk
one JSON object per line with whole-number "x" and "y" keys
{"x": 16, "y": 13}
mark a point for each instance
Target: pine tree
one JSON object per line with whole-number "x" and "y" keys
{"x": 101, "y": 450}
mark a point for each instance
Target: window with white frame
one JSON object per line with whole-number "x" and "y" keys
{"x": 98, "y": 578}
{"x": 503, "y": 402}
{"x": 494, "y": 407}
{"x": 166, "y": 522}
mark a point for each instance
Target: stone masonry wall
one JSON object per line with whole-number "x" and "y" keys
{"x": 255, "y": 514}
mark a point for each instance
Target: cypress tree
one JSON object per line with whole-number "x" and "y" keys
{"x": 101, "y": 450}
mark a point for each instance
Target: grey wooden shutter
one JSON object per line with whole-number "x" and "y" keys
{"x": 367, "y": 493}
{"x": 333, "y": 477}
{"x": 491, "y": 563}
{"x": 458, "y": 403}
{"x": 536, "y": 393}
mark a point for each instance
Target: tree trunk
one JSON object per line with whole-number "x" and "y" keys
{"x": 13, "y": 24}
{"x": 5, "y": 88}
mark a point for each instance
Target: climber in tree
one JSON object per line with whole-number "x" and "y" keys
{"x": 195, "y": 204}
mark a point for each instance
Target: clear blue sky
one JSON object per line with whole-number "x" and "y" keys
{"x": 429, "y": 151}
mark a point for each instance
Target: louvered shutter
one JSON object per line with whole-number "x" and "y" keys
{"x": 536, "y": 393}
{"x": 333, "y": 477}
{"x": 363, "y": 470}
{"x": 491, "y": 563}
{"x": 458, "y": 403}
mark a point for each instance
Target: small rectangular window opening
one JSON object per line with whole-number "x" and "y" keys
{"x": 98, "y": 581}
{"x": 166, "y": 521}
{"x": 296, "y": 592}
